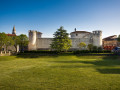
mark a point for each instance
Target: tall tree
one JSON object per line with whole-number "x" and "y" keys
{"x": 82, "y": 45}
{"x": 23, "y": 41}
{"x": 61, "y": 40}
{"x": 16, "y": 40}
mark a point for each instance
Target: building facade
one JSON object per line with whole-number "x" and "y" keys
{"x": 36, "y": 42}
{"x": 110, "y": 42}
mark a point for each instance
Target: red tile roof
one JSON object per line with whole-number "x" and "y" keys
{"x": 113, "y": 37}
{"x": 11, "y": 34}
{"x": 80, "y": 32}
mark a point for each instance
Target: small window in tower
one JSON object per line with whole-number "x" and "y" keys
{"x": 76, "y": 34}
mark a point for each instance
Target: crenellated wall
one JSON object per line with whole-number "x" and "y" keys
{"x": 97, "y": 38}
{"x": 37, "y": 43}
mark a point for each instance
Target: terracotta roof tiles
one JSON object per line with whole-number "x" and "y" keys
{"x": 80, "y": 32}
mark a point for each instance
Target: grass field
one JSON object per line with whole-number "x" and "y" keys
{"x": 65, "y": 72}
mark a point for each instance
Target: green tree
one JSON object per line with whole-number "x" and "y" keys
{"x": 3, "y": 40}
{"x": 16, "y": 40}
{"x": 90, "y": 47}
{"x": 95, "y": 48}
{"x": 61, "y": 40}
{"x": 82, "y": 45}
{"x": 8, "y": 42}
{"x": 118, "y": 39}
{"x": 23, "y": 41}
{"x": 99, "y": 48}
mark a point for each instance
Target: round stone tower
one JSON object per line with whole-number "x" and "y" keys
{"x": 97, "y": 38}
{"x": 32, "y": 40}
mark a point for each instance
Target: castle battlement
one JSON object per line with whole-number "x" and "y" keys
{"x": 36, "y": 41}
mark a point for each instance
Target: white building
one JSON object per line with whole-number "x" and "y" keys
{"x": 36, "y": 42}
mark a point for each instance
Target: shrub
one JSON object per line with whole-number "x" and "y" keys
{"x": 42, "y": 52}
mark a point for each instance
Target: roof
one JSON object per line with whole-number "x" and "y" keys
{"x": 11, "y": 34}
{"x": 113, "y": 37}
{"x": 34, "y": 31}
{"x": 80, "y": 32}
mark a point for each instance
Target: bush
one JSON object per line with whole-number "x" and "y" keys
{"x": 42, "y": 52}
{"x": 95, "y": 48}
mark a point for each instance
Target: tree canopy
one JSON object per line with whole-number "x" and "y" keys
{"x": 5, "y": 41}
{"x": 2, "y": 40}
{"x": 16, "y": 40}
{"x": 23, "y": 41}
{"x": 61, "y": 41}
{"x": 118, "y": 39}
{"x": 82, "y": 45}
{"x": 9, "y": 42}
{"x": 90, "y": 47}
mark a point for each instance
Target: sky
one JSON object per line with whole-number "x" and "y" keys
{"x": 47, "y": 16}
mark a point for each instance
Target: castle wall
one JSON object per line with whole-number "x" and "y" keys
{"x": 38, "y": 43}
{"x": 79, "y": 35}
{"x": 43, "y": 43}
{"x": 77, "y": 41}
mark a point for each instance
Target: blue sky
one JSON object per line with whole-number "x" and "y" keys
{"x": 47, "y": 16}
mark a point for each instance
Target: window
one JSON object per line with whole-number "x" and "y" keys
{"x": 76, "y": 34}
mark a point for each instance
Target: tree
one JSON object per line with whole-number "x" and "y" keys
{"x": 16, "y": 40}
{"x": 95, "y": 48}
{"x": 3, "y": 40}
{"x": 99, "y": 48}
{"x": 90, "y": 47}
{"x": 23, "y": 41}
{"x": 82, "y": 45}
{"x": 61, "y": 40}
{"x": 8, "y": 42}
{"x": 118, "y": 39}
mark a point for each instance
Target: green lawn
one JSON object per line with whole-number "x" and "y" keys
{"x": 59, "y": 73}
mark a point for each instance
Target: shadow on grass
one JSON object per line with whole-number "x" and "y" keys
{"x": 35, "y": 56}
{"x": 66, "y": 61}
{"x": 71, "y": 66}
{"x": 107, "y": 62}
{"x": 109, "y": 71}
{"x": 39, "y": 55}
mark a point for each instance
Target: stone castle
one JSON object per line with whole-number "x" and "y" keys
{"x": 36, "y": 42}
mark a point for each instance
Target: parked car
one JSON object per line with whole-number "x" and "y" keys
{"x": 116, "y": 50}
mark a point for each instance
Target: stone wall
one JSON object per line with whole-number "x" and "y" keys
{"x": 44, "y": 43}
{"x": 77, "y": 41}
{"x": 79, "y": 35}
{"x": 38, "y": 43}
{"x": 9, "y": 48}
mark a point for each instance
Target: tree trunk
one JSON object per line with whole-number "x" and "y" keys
{"x": 5, "y": 52}
{"x": 0, "y": 52}
{"x": 6, "y": 49}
